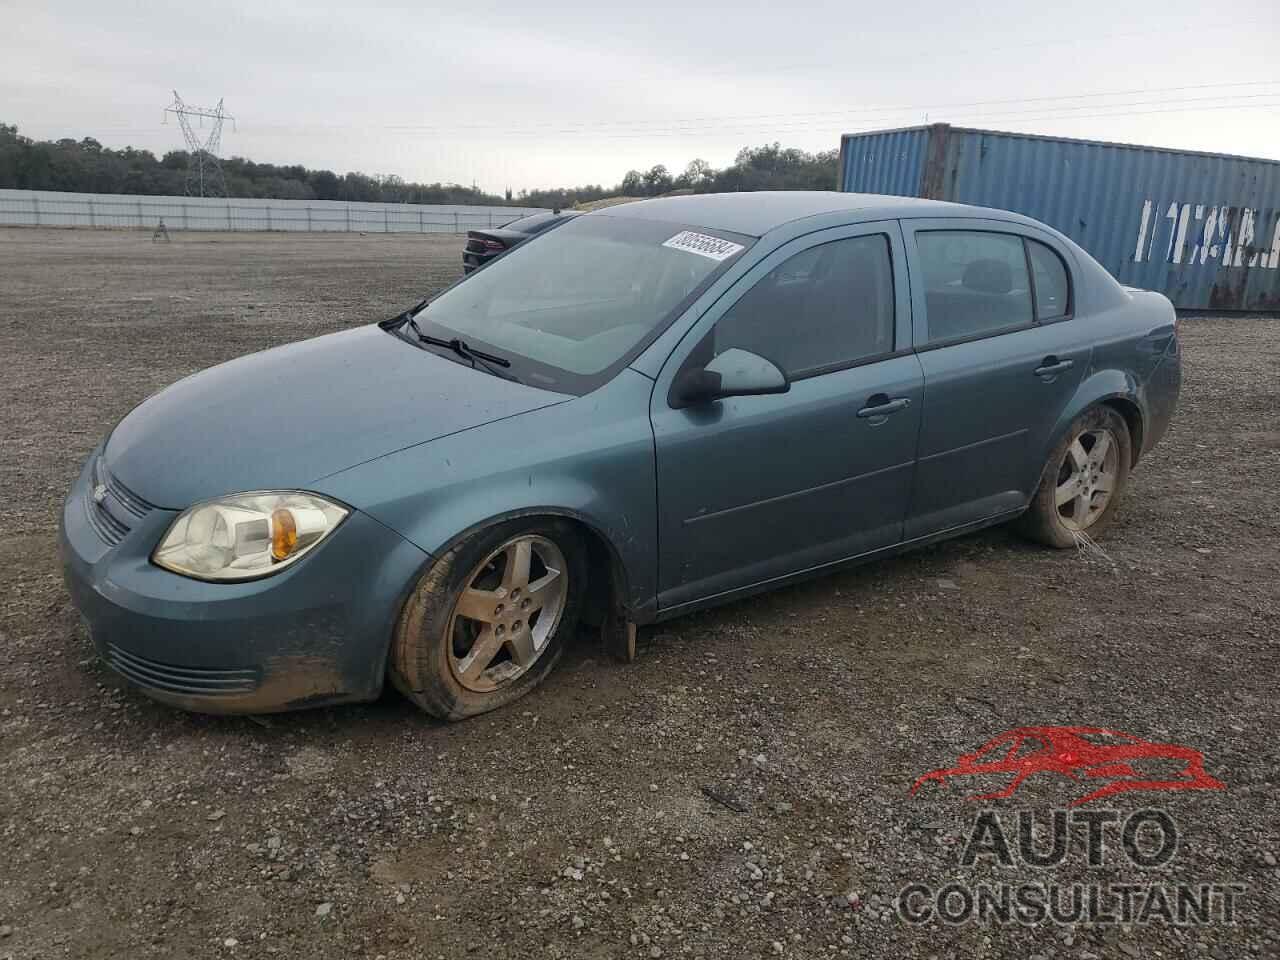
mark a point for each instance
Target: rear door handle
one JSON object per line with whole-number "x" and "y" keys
{"x": 879, "y": 405}
{"x": 1052, "y": 366}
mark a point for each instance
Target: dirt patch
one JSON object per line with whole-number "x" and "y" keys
{"x": 575, "y": 823}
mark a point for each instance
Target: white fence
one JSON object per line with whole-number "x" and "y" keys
{"x": 45, "y": 208}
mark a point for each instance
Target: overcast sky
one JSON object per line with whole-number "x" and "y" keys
{"x": 536, "y": 93}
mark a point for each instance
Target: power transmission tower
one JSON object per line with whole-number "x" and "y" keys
{"x": 204, "y": 171}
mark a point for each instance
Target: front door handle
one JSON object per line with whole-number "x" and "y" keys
{"x": 879, "y": 405}
{"x": 1052, "y": 366}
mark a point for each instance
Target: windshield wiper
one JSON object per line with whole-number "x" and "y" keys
{"x": 459, "y": 347}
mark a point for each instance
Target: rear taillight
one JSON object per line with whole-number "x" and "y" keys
{"x": 494, "y": 245}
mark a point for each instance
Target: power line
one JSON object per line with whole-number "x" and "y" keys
{"x": 561, "y": 126}
{"x": 1043, "y": 43}
{"x": 1050, "y": 107}
{"x": 930, "y": 107}
{"x": 740, "y": 122}
{"x": 895, "y": 119}
{"x": 892, "y": 117}
{"x": 901, "y": 118}
{"x": 1145, "y": 113}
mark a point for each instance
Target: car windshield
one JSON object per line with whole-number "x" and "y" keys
{"x": 569, "y": 309}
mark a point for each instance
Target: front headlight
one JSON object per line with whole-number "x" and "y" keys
{"x": 248, "y": 535}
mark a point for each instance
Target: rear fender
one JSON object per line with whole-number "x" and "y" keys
{"x": 1100, "y": 387}
{"x": 1135, "y": 367}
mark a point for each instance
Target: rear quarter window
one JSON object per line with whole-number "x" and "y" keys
{"x": 1053, "y": 288}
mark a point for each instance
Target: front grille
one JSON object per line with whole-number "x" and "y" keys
{"x": 129, "y": 500}
{"x": 201, "y": 681}
{"x": 110, "y": 530}
{"x": 112, "y": 515}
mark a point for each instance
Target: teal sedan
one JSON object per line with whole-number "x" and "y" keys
{"x": 651, "y": 409}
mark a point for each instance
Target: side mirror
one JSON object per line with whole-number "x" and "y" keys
{"x": 734, "y": 373}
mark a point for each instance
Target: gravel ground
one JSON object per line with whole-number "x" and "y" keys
{"x": 578, "y": 822}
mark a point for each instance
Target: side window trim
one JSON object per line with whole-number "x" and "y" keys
{"x": 1031, "y": 280}
{"x": 1070, "y": 311}
{"x": 981, "y": 335}
{"x": 903, "y": 334}
{"x": 846, "y": 315}
{"x": 911, "y": 227}
{"x": 991, "y": 228}
{"x": 896, "y": 350}
{"x": 848, "y": 364}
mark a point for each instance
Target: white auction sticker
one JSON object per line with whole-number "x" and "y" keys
{"x": 703, "y": 245}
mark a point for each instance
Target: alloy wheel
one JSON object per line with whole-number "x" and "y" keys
{"x": 1087, "y": 478}
{"x": 506, "y": 615}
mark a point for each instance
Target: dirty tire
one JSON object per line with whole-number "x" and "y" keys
{"x": 1044, "y": 521}
{"x": 421, "y": 665}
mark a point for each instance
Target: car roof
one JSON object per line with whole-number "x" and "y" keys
{"x": 756, "y": 213}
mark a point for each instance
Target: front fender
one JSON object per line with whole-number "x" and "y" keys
{"x": 487, "y": 505}
{"x": 589, "y": 459}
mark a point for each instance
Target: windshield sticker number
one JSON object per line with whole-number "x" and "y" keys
{"x": 703, "y": 245}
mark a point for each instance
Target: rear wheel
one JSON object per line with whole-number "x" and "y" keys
{"x": 1082, "y": 481}
{"x": 489, "y": 620}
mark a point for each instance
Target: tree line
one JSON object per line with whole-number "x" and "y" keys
{"x": 86, "y": 166}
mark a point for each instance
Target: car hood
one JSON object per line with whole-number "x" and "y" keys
{"x": 286, "y": 417}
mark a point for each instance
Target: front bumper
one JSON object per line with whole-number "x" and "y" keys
{"x": 315, "y": 633}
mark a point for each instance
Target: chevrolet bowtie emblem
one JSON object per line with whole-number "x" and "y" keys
{"x": 99, "y": 493}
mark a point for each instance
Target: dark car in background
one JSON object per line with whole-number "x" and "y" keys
{"x": 484, "y": 245}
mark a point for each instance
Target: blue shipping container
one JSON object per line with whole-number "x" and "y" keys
{"x": 1202, "y": 228}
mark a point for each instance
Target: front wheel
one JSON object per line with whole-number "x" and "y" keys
{"x": 490, "y": 618}
{"x": 1082, "y": 481}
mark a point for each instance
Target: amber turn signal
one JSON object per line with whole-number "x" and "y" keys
{"x": 284, "y": 534}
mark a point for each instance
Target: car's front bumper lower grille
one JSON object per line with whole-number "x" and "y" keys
{"x": 195, "y": 681}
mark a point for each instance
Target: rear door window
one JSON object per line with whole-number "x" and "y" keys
{"x": 976, "y": 283}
